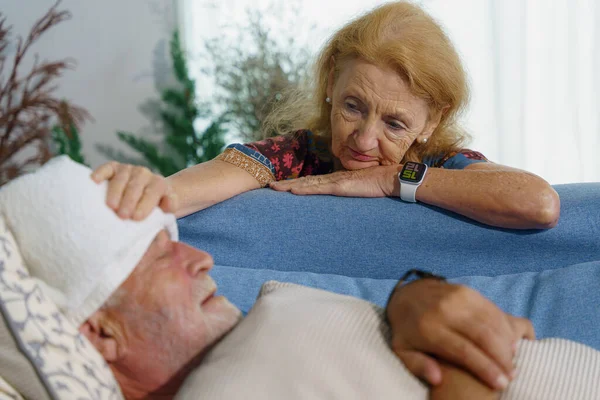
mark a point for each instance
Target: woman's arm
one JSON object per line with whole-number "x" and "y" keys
{"x": 203, "y": 185}
{"x": 489, "y": 193}
{"x": 493, "y": 194}
{"x": 134, "y": 191}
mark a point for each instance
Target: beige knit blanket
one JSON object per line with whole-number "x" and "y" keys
{"x": 308, "y": 344}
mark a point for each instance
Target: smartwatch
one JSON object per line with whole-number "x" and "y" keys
{"x": 410, "y": 178}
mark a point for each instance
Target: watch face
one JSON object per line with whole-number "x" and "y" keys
{"x": 413, "y": 172}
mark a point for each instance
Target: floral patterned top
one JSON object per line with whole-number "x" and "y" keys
{"x": 303, "y": 154}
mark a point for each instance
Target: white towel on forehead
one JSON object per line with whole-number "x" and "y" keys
{"x": 71, "y": 241}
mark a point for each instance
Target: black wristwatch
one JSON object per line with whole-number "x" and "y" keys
{"x": 408, "y": 278}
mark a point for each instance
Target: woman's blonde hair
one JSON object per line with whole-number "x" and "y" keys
{"x": 404, "y": 37}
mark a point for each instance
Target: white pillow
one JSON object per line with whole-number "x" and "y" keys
{"x": 309, "y": 344}
{"x": 42, "y": 355}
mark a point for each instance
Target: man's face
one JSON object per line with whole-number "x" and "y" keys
{"x": 168, "y": 312}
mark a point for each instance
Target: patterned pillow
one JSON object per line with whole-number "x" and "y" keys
{"x": 42, "y": 355}
{"x": 8, "y": 392}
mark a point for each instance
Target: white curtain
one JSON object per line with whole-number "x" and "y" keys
{"x": 533, "y": 67}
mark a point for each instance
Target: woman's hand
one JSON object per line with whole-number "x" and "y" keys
{"x": 134, "y": 191}
{"x": 431, "y": 318}
{"x": 377, "y": 181}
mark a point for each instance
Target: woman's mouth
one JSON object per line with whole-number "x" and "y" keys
{"x": 360, "y": 156}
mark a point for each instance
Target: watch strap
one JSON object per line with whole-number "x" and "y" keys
{"x": 418, "y": 274}
{"x": 408, "y": 191}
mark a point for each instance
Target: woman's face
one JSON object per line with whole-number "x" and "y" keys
{"x": 374, "y": 117}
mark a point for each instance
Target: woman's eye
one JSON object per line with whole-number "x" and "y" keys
{"x": 351, "y": 106}
{"x": 395, "y": 126}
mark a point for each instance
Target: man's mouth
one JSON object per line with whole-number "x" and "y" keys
{"x": 208, "y": 298}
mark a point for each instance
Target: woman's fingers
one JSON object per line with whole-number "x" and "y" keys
{"x": 105, "y": 171}
{"x": 363, "y": 183}
{"x": 305, "y": 181}
{"x": 461, "y": 351}
{"x": 422, "y": 366}
{"x": 139, "y": 180}
{"x": 151, "y": 196}
{"x": 117, "y": 186}
{"x": 118, "y": 177}
{"x": 304, "y": 185}
{"x": 134, "y": 191}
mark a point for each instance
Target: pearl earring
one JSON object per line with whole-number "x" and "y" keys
{"x": 424, "y": 141}
{"x": 328, "y": 100}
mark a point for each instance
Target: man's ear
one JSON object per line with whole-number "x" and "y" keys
{"x": 331, "y": 77}
{"x": 99, "y": 332}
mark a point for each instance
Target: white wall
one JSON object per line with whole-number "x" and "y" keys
{"x": 120, "y": 48}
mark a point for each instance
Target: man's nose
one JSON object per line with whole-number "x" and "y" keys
{"x": 198, "y": 261}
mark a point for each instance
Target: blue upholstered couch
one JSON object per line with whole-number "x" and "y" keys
{"x": 361, "y": 246}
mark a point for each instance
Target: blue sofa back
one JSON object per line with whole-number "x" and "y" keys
{"x": 380, "y": 238}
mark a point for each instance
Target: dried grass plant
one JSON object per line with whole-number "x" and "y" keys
{"x": 29, "y": 108}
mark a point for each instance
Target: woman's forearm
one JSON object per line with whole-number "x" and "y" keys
{"x": 203, "y": 185}
{"x": 494, "y": 195}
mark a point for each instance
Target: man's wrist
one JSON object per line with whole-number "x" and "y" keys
{"x": 412, "y": 276}
{"x": 459, "y": 384}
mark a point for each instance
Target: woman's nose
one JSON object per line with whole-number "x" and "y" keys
{"x": 366, "y": 136}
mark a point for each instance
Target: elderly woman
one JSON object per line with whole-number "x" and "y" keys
{"x": 382, "y": 121}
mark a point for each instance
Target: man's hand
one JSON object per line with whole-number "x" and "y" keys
{"x": 456, "y": 324}
{"x": 376, "y": 181}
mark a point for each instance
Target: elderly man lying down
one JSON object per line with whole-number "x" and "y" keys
{"x": 147, "y": 304}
